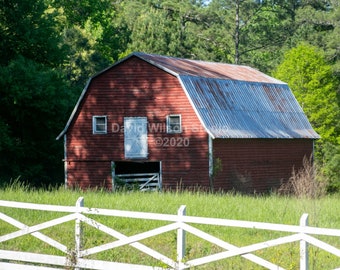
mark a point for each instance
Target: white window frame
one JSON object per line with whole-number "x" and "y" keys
{"x": 168, "y": 124}
{"x": 94, "y": 124}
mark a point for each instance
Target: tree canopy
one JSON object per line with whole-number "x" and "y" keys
{"x": 313, "y": 84}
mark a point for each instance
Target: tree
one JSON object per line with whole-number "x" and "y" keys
{"x": 28, "y": 29}
{"x": 251, "y": 32}
{"x": 83, "y": 60}
{"x": 93, "y": 34}
{"x": 34, "y": 103}
{"x": 318, "y": 24}
{"x": 311, "y": 79}
{"x": 34, "y": 96}
{"x": 165, "y": 27}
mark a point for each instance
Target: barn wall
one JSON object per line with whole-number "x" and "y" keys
{"x": 257, "y": 165}
{"x": 135, "y": 88}
{"x": 89, "y": 174}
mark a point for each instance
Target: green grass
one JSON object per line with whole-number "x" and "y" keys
{"x": 323, "y": 212}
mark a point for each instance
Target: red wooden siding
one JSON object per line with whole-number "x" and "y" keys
{"x": 89, "y": 174}
{"x": 257, "y": 165}
{"x": 135, "y": 88}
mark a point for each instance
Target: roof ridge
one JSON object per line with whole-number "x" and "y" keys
{"x": 140, "y": 54}
{"x": 201, "y": 68}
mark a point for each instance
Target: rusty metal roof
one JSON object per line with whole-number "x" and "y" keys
{"x": 231, "y": 101}
{"x": 235, "y": 101}
{"x": 180, "y": 66}
{"x": 238, "y": 109}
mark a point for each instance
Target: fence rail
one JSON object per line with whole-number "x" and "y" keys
{"x": 75, "y": 257}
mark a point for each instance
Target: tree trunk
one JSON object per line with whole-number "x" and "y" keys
{"x": 237, "y": 31}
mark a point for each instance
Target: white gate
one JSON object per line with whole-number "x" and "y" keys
{"x": 140, "y": 181}
{"x": 10, "y": 259}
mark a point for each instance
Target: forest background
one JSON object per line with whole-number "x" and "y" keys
{"x": 49, "y": 49}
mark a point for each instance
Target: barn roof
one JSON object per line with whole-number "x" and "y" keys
{"x": 213, "y": 70}
{"x": 232, "y": 101}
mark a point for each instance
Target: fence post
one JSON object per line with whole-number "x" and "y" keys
{"x": 78, "y": 232}
{"x": 181, "y": 235}
{"x": 304, "y": 245}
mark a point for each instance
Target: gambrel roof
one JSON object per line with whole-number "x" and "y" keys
{"x": 232, "y": 101}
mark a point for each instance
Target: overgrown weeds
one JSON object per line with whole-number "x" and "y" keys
{"x": 307, "y": 182}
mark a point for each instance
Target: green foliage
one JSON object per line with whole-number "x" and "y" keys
{"x": 249, "y": 32}
{"x": 27, "y": 29}
{"x": 33, "y": 98}
{"x": 331, "y": 160}
{"x": 167, "y": 27}
{"x": 311, "y": 79}
{"x": 315, "y": 87}
{"x": 83, "y": 59}
{"x": 93, "y": 35}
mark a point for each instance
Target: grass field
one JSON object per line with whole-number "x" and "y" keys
{"x": 323, "y": 212}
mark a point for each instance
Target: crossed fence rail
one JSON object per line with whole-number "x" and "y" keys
{"x": 10, "y": 259}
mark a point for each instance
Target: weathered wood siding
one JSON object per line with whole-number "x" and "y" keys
{"x": 258, "y": 165}
{"x": 89, "y": 174}
{"x": 135, "y": 88}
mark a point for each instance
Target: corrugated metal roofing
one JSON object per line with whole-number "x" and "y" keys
{"x": 238, "y": 109}
{"x": 231, "y": 101}
{"x": 181, "y": 66}
{"x": 234, "y": 101}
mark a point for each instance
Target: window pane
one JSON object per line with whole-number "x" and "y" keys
{"x": 99, "y": 124}
{"x": 100, "y": 120}
{"x": 174, "y": 124}
{"x": 100, "y": 128}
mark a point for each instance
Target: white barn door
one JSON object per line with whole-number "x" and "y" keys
{"x": 135, "y": 137}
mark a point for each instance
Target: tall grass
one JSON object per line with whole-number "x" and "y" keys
{"x": 307, "y": 182}
{"x": 323, "y": 212}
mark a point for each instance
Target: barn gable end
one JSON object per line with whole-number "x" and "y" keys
{"x": 135, "y": 89}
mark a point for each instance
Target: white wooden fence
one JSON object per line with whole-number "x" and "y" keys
{"x": 10, "y": 259}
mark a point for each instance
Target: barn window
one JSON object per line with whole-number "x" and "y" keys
{"x": 99, "y": 124}
{"x": 174, "y": 123}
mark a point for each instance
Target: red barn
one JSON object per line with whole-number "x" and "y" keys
{"x": 166, "y": 122}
